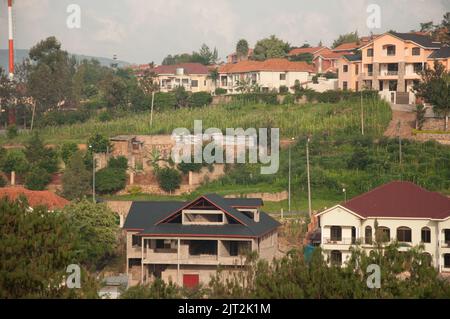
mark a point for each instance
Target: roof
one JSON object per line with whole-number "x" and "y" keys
{"x": 35, "y": 198}
{"x": 330, "y": 55}
{"x": 423, "y": 40}
{"x": 348, "y": 46}
{"x": 442, "y": 53}
{"x": 400, "y": 200}
{"x": 310, "y": 50}
{"x": 270, "y": 65}
{"x": 189, "y": 68}
{"x": 353, "y": 57}
{"x": 150, "y": 219}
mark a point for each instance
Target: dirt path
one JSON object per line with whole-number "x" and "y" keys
{"x": 408, "y": 122}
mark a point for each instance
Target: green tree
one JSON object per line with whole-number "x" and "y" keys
{"x": 76, "y": 179}
{"x": 307, "y": 57}
{"x": 68, "y": 149}
{"x": 269, "y": 48}
{"x": 435, "y": 89}
{"x": 97, "y": 227}
{"x": 156, "y": 290}
{"x": 99, "y": 144}
{"x": 181, "y": 96}
{"x": 169, "y": 179}
{"x": 242, "y": 48}
{"x": 37, "y": 178}
{"x": 15, "y": 161}
{"x": 41, "y": 156}
{"x": 110, "y": 180}
{"x": 346, "y": 38}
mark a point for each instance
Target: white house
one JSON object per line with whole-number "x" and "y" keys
{"x": 403, "y": 211}
{"x": 269, "y": 75}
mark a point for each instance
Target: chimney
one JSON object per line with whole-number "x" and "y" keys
{"x": 256, "y": 216}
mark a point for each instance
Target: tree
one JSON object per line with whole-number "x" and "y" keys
{"x": 97, "y": 227}
{"x": 269, "y": 48}
{"x": 158, "y": 289}
{"x": 99, "y": 144}
{"x": 76, "y": 179}
{"x": 149, "y": 82}
{"x": 435, "y": 89}
{"x": 426, "y": 27}
{"x": 36, "y": 248}
{"x": 40, "y": 156}
{"x": 214, "y": 76}
{"x": 110, "y": 180}
{"x": 169, "y": 179}
{"x": 307, "y": 57}
{"x": 67, "y": 150}
{"x": 15, "y": 161}
{"x": 181, "y": 96}
{"x": 37, "y": 178}
{"x": 206, "y": 56}
{"x": 242, "y": 49}
{"x": 346, "y": 38}
{"x": 50, "y": 77}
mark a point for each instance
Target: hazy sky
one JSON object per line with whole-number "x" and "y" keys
{"x": 140, "y": 31}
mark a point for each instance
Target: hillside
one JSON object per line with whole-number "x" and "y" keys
{"x": 21, "y": 54}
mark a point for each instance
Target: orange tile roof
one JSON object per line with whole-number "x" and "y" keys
{"x": 329, "y": 54}
{"x": 274, "y": 65}
{"x": 311, "y": 50}
{"x": 35, "y": 198}
{"x": 348, "y": 46}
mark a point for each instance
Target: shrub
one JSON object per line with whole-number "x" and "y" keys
{"x": 164, "y": 101}
{"x": 99, "y": 144}
{"x": 105, "y": 116}
{"x": 15, "y": 161}
{"x": 220, "y": 91}
{"x": 169, "y": 179}
{"x": 284, "y": 89}
{"x": 200, "y": 99}
{"x": 289, "y": 99}
{"x": 110, "y": 180}
{"x": 11, "y": 131}
{"x": 3, "y": 181}
{"x": 37, "y": 179}
{"x": 67, "y": 150}
{"x": 119, "y": 162}
{"x": 58, "y": 118}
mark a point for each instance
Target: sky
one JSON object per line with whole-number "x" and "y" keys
{"x": 142, "y": 31}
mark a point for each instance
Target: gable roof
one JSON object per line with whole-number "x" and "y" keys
{"x": 353, "y": 57}
{"x": 400, "y": 200}
{"x": 311, "y": 50}
{"x": 442, "y": 53}
{"x": 420, "y": 39}
{"x": 270, "y": 65}
{"x": 147, "y": 219}
{"x": 350, "y": 46}
{"x": 35, "y": 198}
{"x": 189, "y": 68}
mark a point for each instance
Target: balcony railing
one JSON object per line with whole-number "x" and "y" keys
{"x": 340, "y": 241}
{"x": 390, "y": 73}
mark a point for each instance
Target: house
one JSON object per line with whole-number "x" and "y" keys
{"x": 269, "y": 75}
{"x": 192, "y": 76}
{"x": 311, "y": 50}
{"x": 327, "y": 60}
{"x": 235, "y": 58}
{"x": 391, "y": 64}
{"x": 403, "y": 211}
{"x": 185, "y": 242}
{"x": 34, "y": 198}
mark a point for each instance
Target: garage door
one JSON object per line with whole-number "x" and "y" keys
{"x": 191, "y": 281}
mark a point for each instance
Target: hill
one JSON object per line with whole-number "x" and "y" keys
{"x": 21, "y": 54}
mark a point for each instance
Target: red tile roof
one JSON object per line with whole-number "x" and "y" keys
{"x": 275, "y": 65}
{"x": 311, "y": 50}
{"x": 349, "y": 46}
{"x": 35, "y": 198}
{"x": 400, "y": 200}
{"x": 189, "y": 68}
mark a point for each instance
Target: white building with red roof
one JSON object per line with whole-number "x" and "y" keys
{"x": 396, "y": 212}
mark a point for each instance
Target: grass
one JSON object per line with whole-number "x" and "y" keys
{"x": 293, "y": 120}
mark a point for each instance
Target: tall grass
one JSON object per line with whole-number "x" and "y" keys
{"x": 293, "y": 120}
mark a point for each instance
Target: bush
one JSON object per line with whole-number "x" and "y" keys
{"x": 169, "y": 179}
{"x": 15, "y": 161}
{"x": 99, "y": 144}
{"x": 3, "y": 181}
{"x": 289, "y": 99}
{"x": 11, "y": 131}
{"x": 67, "y": 150}
{"x": 105, "y": 116}
{"x": 284, "y": 89}
{"x": 37, "y": 179}
{"x": 164, "y": 101}
{"x": 58, "y": 118}
{"x": 200, "y": 99}
{"x": 110, "y": 180}
{"x": 220, "y": 91}
{"x": 119, "y": 162}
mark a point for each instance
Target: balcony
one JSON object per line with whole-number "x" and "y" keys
{"x": 339, "y": 241}
{"x": 389, "y": 73}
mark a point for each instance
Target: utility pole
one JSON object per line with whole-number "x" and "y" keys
{"x": 309, "y": 177}
{"x": 151, "y": 112}
{"x": 93, "y": 174}
{"x": 362, "y": 114}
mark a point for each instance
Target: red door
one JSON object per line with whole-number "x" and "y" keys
{"x": 191, "y": 281}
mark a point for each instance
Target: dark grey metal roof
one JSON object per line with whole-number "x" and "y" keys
{"x": 353, "y": 57}
{"x": 442, "y": 53}
{"x": 145, "y": 217}
{"x": 422, "y": 40}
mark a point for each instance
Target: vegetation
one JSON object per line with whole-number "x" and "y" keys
{"x": 242, "y": 48}
{"x": 76, "y": 179}
{"x": 205, "y": 56}
{"x": 270, "y": 48}
{"x": 169, "y": 179}
{"x": 113, "y": 178}
{"x": 346, "y": 38}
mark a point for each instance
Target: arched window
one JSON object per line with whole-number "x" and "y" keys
{"x": 404, "y": 234}
{"x": 336, "y": 233}
{"x": 336, "y": 258}
{"x": 383, "y": 234}
{"x": 368, "y": 235}
{"x": 426, "y": 235}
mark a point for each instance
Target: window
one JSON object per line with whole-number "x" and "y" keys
{"x": 166, "y": 244}
{"x": 344, "y": 85}
{"x": 447, "y": 261}
{"x": 369, "y": 69}
{"x": 426, "y": 235}
{"x": 415, "y": 51}
{"x": 356, "y": 69}
{"x": 283, "y": 77}
{"x": 345, "y": 68}
{"x": 336, "y": 258}
{"x": 418, "y": 67}
{"x": 194, "y": 83}
{"x": 404, "y": 234}
{"x": 136, "y": 241}
{"x": 370, "y": 52}
{"x": 447, "y": 237}
{"x": 393, "y": 85}
{"x": 383, "y": 234}
{"x": 368, "y": 235}
{"x": 336, "y": 233}
{"x": 390, "y": 50}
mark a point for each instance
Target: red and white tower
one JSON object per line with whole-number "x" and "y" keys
{"x": 11, "y": 39}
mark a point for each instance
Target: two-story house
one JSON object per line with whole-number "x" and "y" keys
{"x": 269, "y": 75}
{"x": 186, "y": 242}
{"x": 398, "y": 211}
{"x": 192, "y": 76}
{"x": 391, "y": 63}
